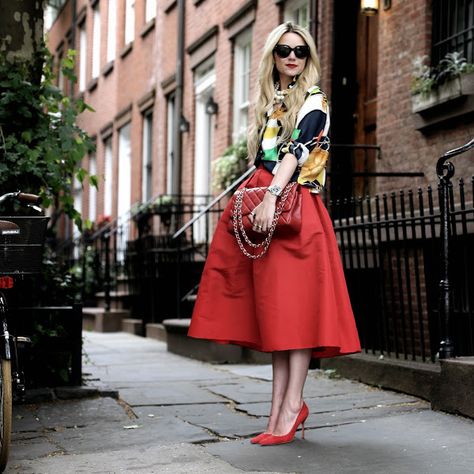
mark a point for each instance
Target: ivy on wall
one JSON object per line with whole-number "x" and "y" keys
{"x": 41, "y": 146}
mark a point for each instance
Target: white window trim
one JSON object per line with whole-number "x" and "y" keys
{"x": 111, "y": 30}
{"x": 82, "y": 57}
{"x": 150, "y": 10}
{"x": 92, "y": 189}
{"x": 291, "y": 8}
{"x": 96, "y": 27}
{"x": 147, "y": 156}
{"x": 170, "y": 106}
{"x": 108, "y": 176}
{"x": 129, "y": 21}
{"x": 240, "y": 106}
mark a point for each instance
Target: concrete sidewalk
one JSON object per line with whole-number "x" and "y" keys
{"x": 176, "y": 415}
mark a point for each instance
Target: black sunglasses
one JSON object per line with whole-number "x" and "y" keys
{"x": 283, "y": 50}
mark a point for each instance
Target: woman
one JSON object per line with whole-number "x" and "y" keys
{"x": 293, "y": 301}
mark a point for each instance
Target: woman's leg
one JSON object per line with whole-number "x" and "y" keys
{"x": 280, "y": 365}
{"x": 298, "y": 362}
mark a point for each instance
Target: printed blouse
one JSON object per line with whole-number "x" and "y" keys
{"x": 309, "y": 142}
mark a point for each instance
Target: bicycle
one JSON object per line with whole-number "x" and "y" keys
{"x": 21, "y": 247}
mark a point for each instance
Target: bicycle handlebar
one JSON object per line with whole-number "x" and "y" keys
{"x": 22, "y": 197}
{"x": 29, "y": 198}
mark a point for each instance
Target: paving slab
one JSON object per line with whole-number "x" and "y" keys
{"x": 393, "y": 444}
{"x": 183, "y": 416}
{"x": 219, "y": 419}
{"x": 179, "y": 458}
{"x": 347, "y": 401}
{"x": 169, "y": 394}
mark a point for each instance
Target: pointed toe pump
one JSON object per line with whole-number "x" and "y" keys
{"x": 288, "y": 437}
{"x": 258, "y": 438}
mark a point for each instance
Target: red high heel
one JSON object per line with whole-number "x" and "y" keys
{"x": 259, "y": 438}
{"x": 287, "y": 438}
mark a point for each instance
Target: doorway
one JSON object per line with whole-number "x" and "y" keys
{"x": 205, "y": 78}
{"x": 354, "y": 100}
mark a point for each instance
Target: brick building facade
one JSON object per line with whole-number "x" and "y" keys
{"x": 127, "y": 63}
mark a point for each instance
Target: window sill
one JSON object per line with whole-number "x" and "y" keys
{"x": 108, "y": 68}
{"x": 92, "y": 84}
{"x": 451, "y": 100}
{"x": 147, "y": 27}
{"x": 170, "y": 5}
{"x": 126, "y": 50}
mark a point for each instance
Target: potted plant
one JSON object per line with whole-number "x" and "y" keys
{"x": 451, "y": 79}
{"x": 232, "y": 164}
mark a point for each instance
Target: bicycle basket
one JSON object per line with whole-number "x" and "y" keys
{"x": 22, "y": 253}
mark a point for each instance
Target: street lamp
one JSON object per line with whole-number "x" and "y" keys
{"x": 369, "y": 7}
{"x": 211, "y": 106}
{"x": 183, "y": 125}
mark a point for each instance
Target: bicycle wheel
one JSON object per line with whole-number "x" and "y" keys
{"x": 5, "y": 411}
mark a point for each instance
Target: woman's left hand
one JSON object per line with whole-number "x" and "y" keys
{"x": 262, "y": 216}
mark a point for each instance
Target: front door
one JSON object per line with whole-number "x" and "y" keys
{"x": 353, "y": 100}
{"x": 204, "y": 89}
{"x": 366, "y": 108}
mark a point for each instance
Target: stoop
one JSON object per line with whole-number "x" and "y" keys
{"x": 454, "y": 392}
{"x": 100, "y": 320}
{"x": 156, "y": 331}
{"x": 207, "y": 351}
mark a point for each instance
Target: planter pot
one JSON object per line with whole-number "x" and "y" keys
{"x": 451, "y": 90}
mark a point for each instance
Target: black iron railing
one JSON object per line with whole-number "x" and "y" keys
{"x": 394, "y": 251}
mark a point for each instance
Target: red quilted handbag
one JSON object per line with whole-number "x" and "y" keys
{"x": 287, "y": 218}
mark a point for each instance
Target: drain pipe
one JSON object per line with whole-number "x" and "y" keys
{"x": 178, "y": 102}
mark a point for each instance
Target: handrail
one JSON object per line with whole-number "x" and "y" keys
{"x": 213, "y": 202}
{"x": 445, "y": 171}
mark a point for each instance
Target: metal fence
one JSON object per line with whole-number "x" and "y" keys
{"x": 391, "y": 253}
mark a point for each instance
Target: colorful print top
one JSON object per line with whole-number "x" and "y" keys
{"x": 309, "y": 141}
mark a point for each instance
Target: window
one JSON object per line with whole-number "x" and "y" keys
{"x": 111, "y": 30}
{"x": 92, "y": 189}
{"x": 124, "y": 171}
{"x": 298, "y": 12}
{"x": 108, "y": 176}
{"x": 242, "y": 50}
{"x": 169, "y": 144}
{"x": 96, "y": 42}
{"x": 453, "y": 29}
{"x": 77, "y": 196}
{"x": 147, "y": 156}
{"x": 129, "y": 21}
{"x": 150, "y": 10}
{"x": 82, "y": 57}
{"x": 61, "y": 84}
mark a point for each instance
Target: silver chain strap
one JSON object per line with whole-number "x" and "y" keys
{"x": 239, "y": 226}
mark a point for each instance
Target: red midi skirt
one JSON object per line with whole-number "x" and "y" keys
{"x": 294, "y": 297}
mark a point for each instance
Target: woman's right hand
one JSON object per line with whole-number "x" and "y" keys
{"x": 262, "y": 215}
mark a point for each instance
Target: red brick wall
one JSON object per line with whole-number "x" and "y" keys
{"x": 405, "y": 32}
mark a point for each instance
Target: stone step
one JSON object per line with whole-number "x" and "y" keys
{"x": 178, "y": 342}
{"x": 118, "y": 299}
{"x": 132, "y": 326}
{"x": 156, "y": 331}
{"x": 99, "y": 320}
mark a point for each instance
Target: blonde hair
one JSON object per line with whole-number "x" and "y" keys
{"x": 268, "y": 75}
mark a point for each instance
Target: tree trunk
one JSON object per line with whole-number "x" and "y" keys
{"x": 21, "y": 31}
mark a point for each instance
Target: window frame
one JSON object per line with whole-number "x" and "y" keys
{"x": 82, "y": 76}
{"x": 443, "y": 43}
{"x": 241, "y": 61}
{"x": 147, "y": 155}
{"x": 292, "y": 9}
{"x": 96, "y": 38}
{"x": 129, "y": 24}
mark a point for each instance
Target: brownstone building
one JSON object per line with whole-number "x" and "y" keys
{"x": 161, "y": 117}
